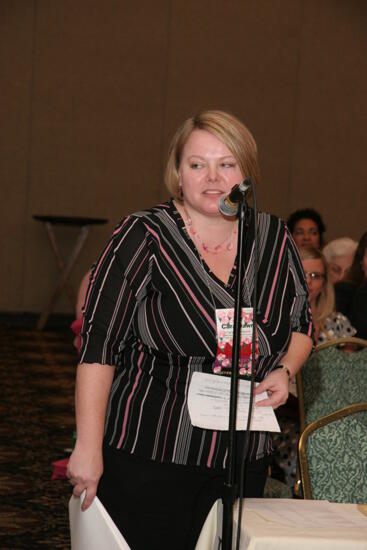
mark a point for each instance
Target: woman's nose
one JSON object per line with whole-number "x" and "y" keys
{"x": 212, "y": 173}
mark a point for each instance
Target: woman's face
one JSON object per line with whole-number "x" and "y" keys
{"x": 306, "y": 233}
{"x": 315, "y": 277}
{"x": 339, "y": 266}
{"x": 207, "y": 170}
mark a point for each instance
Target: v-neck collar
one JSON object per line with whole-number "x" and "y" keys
{"x": 228, "y": 286}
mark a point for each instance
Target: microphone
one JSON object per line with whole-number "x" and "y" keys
{"x": 228, "y": 204}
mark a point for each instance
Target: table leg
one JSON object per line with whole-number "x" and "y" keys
{"x": 60, "y": 262}
{"x": 64, "y": 276}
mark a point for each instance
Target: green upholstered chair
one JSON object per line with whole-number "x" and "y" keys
{"x": 332, "y": 378}
{"x": 333, "y": 456}
{"x": 335, "y": 375}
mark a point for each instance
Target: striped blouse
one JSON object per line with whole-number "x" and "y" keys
{"x": 150, "y": 311}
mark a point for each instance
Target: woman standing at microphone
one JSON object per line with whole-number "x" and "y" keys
{"x": 150, "y": 321}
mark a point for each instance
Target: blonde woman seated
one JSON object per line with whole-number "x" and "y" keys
{"x": 328, "y": 323}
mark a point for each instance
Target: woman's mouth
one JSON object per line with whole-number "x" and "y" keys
{"x": 214, "y": 192}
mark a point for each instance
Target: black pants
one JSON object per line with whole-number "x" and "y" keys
{"x": 164, "y": 506}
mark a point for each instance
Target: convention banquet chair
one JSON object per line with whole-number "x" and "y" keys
{"x": 334, "y": 376}
{"x": 333, "y": 456}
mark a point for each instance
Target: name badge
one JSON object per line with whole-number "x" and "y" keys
{"x": 225, "y": 321}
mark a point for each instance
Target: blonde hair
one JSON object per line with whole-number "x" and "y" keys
{"x": 229, "y": 130}
{"x": 325, "y": 302}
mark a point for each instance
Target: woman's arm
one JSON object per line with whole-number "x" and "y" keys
{"x": 277, "y": 382}
{"x": 93, "y": 384}
{"x": 120, "y": 276}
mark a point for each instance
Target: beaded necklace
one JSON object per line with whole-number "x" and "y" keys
{"x": 226, "y": 244}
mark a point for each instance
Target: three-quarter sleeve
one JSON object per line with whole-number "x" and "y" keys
{"x": 118, "y": 281}
{"x": 301, "y": 319}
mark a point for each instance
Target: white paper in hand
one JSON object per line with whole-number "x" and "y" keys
{"x": 208, "y": 404}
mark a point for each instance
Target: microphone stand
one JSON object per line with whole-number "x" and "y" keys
{"x": 230, "y": 488}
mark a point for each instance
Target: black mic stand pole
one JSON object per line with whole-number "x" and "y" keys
{"x": 230, "y": 488}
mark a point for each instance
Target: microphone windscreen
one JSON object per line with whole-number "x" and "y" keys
{"x": 225, "y": 208}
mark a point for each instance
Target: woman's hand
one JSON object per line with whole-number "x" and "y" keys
{"x": 84, "y": 471}
{"x": 276, "y": 384}
{"x": 93, "y": 383}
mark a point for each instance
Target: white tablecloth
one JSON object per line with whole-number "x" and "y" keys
{"x": 290, "y": 524}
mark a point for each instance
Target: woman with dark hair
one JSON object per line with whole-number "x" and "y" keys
{"x": 307, "y": 228}
{"x": 351, "y": 294}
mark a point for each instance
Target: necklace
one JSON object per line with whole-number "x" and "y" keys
{"x": 226, "y": 244}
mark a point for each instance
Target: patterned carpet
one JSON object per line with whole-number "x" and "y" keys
{"x": 37, "y": 372}
{"x": 37, "y": 423}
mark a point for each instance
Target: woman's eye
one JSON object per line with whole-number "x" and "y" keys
{"x": 228, "y": 165}
{"x": 195, "y": 165}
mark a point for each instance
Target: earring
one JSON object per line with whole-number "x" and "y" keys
{"x": 180, "y": 190}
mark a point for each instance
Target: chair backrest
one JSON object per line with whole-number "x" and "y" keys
{"x": 332, "y": 378}
{"x": 333, "y": 456}
{"x": 346, "y": 343}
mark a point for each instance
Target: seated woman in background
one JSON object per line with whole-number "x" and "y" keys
{"x": 328, "y": 323}
{"x": 351, "y": 293}
{"x": 339, "y": 255}
{"x": 307, "y": 228}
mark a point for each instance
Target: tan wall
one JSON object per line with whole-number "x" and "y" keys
{"x": 92, "y": 91}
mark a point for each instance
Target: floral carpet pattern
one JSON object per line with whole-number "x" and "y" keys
{"x": 37, "y": 372}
